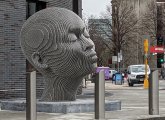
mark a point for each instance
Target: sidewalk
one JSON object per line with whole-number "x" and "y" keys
{"x": 134, "y": 105}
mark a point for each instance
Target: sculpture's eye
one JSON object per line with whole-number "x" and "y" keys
{"x": 77, "y": 34}
{"x": 72, "y": 37}
{"x": 84, "y": 33}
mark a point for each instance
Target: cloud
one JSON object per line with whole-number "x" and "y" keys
{"x": 94, "y": 7}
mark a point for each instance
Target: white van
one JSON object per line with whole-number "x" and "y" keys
{"x": 136, "y": 74}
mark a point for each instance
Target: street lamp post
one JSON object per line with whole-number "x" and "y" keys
{"x": 115, "y": 11}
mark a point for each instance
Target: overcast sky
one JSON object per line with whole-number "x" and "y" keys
{"x": 94, "y": 7}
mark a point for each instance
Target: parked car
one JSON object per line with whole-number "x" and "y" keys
{"x": 111, "y": 72}
{"x": 136, "y": 74}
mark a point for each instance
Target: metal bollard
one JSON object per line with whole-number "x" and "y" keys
{"x": 154, "y": 93}
{"x": 100, "y": 96}
{"x": 31, "y": 113}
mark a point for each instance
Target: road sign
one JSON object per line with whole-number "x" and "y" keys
{"x": 156, "y": 49}
{"x": 114, "y": 59}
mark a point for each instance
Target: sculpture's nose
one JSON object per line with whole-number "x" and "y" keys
{"x": 88, "y": 45}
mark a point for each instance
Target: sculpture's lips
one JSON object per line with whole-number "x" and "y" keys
{"x": 93, "y": 57}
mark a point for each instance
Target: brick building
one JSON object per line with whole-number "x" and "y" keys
{"x": 13, "y": 65}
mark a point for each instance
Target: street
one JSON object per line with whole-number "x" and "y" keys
{"x": 134, "y": 102}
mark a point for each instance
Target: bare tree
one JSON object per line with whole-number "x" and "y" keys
{"x": 121, "y": 28}
{"x": 122, "y": 24}
{"x": 149, "y": 21}
{"x": 97, "y": 39}
{"x": 153, "y": 20}
{"x": 153, "y": 23}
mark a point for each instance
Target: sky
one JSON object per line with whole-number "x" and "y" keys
{"x": 94, "y": 7}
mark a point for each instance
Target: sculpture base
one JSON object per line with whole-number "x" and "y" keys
{"x": 78, "y": 106}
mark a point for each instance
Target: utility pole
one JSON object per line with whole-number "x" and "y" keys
{"x": 115, "y": 11}
{"x": 118, "y": 62}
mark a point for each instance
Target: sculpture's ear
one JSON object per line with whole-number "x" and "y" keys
{"x": 37, "y": 60}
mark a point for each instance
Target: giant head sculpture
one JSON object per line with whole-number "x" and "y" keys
{"x": 56, "y": 42}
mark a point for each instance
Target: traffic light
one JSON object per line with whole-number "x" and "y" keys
{"x": 160, "y": 59}
{"x": 160, "y": 56}
{"x": 160, "y": 41}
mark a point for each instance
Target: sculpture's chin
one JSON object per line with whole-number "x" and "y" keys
{"x": 94, "y": 66}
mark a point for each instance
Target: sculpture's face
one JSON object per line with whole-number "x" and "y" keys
{"x": 57, "y": 44}
{"x": 57, "y": 39}
{"x": 77, "y": 56}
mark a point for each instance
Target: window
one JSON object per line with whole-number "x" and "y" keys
{"x": 33, "y": 6}
{"x": 75, "y": 7}
{"x": 30, "y": 9}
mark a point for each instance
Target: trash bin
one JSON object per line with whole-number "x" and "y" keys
{"x": 118, "y": 79}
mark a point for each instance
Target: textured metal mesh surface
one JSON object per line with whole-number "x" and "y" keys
{"x": 56, "y": 43}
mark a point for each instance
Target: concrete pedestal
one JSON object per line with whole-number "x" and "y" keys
{"x": 78, "y": 106}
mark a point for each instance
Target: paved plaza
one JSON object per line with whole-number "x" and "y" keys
{"x": 134, "y": 102}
